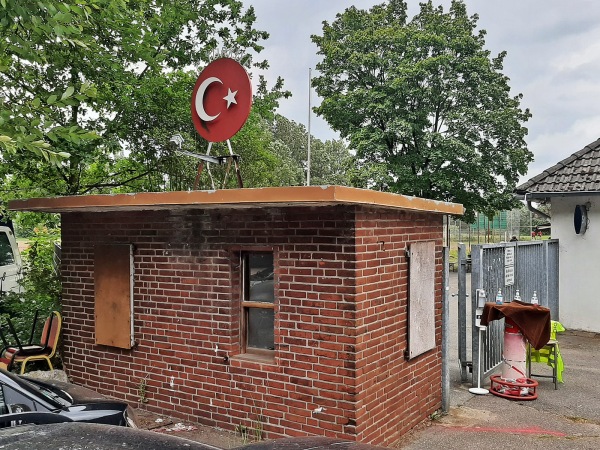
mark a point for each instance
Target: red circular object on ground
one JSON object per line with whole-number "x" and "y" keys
{"x": 523, "y": 389}
{"x": 221, "y": 100}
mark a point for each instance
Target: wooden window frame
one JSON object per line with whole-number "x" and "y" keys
{"x": 245, "y": 305}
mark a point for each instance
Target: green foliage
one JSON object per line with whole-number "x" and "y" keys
{"x": 330, "y": 160}
{"x": 425, "y": 107}
{"x": 41, "y": 287}
{"x": 33, "y": 35}
{"x": 28, "y": 224}
{"x": 103, "y": 84}
{"x": 273, "y": 152}
{"x": 143, "y": 390}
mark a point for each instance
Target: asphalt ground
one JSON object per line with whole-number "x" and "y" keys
{"x": 567, "y": 418}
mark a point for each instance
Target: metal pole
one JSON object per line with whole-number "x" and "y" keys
{"x": 462, "y": 311}
{"x": 446, "y": 335}
{"x": 309, "y": 114}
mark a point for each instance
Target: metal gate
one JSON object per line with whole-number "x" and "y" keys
{"x": 510, "y": 267}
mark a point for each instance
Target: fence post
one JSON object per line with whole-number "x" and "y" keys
{"x": 476, "y": 281}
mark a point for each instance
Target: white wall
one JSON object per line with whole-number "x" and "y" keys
{"x": 579, "y": 279}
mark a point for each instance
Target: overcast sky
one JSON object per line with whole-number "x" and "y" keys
{"x": 553, "y": 60}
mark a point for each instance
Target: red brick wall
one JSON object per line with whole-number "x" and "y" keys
{"x": 340, "y": 318}
{"x": 394, "y": 394}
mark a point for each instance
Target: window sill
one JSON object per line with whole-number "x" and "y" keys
{"x": 256, "y": 356}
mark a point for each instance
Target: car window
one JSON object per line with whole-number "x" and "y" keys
{"x": 6, "y": 251}
{"x": 3, "y": 408}
{"x": 54, "y": 396}
{"x": 16, "y": 402}
{"x": 31, "y": 389}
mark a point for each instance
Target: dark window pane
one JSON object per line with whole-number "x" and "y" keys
{"x": 17, "y": 402}
{"x": 260, "y": 328}
{"x": 262, "y": 291}
{"x": 260, "y": 267}
{"x": 260, "y": 275}
{"x": 6, "y": 252}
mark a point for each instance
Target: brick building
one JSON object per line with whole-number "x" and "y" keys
{"x": 299, "y": 311}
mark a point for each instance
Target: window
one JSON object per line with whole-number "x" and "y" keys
{"x": 16, "y": 402}
{"x": 258, "y": 300}
{"x": 6, "y": 252}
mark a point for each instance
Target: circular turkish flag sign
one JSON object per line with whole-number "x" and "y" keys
{"x": 221, "y": 100}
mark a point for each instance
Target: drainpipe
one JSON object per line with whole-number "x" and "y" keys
{"x": 535, "y": 210}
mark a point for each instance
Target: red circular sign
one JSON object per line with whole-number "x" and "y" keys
{"x": 221, "y": 100}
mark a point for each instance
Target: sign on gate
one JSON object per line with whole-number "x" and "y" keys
{"x": 509, "y": 266}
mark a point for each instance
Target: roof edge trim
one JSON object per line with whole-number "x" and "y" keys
{"x": 247, "y": 197}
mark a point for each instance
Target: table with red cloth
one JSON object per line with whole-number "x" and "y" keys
{"x": 532, "y": 320}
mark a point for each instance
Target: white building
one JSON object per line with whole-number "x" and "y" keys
{"x": 572, "y": 187}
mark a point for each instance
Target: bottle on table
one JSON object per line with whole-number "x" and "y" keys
{"x": 534, "y": 299}
{"x": 499, "y": 299}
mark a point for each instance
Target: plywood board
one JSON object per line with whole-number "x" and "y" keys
{"x": 113, "y": 287}
{"x": 421, "y": 325}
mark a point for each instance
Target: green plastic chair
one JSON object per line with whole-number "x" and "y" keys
{"x": 549, "y": 354}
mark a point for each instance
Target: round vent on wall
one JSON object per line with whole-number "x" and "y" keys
{"x": 580, "y": 219}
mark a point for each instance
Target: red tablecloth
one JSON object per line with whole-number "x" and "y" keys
{"x": 532, "y": 320}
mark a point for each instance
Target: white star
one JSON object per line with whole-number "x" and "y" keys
{"x": 230, "y": 97}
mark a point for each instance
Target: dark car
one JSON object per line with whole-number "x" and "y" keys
{"x": 91, "y": 436}
{"x": 26, "y": 400}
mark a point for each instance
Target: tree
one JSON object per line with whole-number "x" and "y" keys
{"x": 30, "y": 32}
{"x": 330, "y": 160}
{"x": 331, "y": 163}
{"x": 101, "y": 81}
{"x": 426, "y": 108}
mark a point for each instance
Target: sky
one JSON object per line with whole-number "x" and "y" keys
{"x": 553, "y": 59}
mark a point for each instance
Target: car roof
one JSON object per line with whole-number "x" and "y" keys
{"x": 91, "y": 436}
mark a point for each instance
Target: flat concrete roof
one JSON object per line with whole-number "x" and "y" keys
{"x": 235, "y": 198}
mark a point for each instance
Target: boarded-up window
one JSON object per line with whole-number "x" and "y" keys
{"x": 421, "y": 326}
{"x": 113, "y": 285}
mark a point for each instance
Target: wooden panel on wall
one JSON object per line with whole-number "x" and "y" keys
{"x": 113, "y": 286}
{"x": 421, "y": 325}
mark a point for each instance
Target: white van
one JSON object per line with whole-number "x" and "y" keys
{"x": 10, "y": 262}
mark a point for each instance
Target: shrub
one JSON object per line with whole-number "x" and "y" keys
{"x": 40, "y": 286}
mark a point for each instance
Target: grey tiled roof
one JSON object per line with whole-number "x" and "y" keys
{"x": 580, "y": 172}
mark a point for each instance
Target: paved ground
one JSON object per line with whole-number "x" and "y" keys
{"x": 207, "y": 435}
{"x": 567, "y": 418}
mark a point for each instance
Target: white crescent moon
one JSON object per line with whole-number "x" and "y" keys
{"x": 200, "y": 99}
